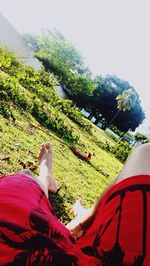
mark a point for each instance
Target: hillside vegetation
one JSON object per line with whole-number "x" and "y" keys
{"x": 111, "y": 100}
{"x": 30, "y": 114}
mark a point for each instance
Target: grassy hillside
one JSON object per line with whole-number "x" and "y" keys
{"x": 30, "y": 114}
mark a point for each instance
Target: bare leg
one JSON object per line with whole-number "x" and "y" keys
{"x": 46, "y": 178}
{"x": 137, "y": 163}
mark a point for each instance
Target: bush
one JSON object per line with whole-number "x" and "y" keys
{"x": 37, "y": 96}
{"x": 121, "y": 150}
{"x": 73, "y": 113}
{"x": 5, "y": 110}
{"x": 11, "y": 90}
{"x": 106, "y": 146}
{"x": 110, "y": 135}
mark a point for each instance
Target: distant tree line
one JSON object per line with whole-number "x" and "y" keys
{"x": 117, "y": 102}
{"x": 110, "y": 100}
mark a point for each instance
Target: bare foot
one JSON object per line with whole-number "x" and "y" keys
{"x": 78, "y": 210}
{"x": 78, "y": 207}
{"x": 46, "y": 156}
{"x": 45, "y": 161}
{"x": 81, "y": 215}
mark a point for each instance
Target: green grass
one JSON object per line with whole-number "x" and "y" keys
{"x": 78, "y": 179}
{"x": 22, "y": 131}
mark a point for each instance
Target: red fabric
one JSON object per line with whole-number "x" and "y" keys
{"x": 120, "y": 233}
{"x": 30, "y": 234}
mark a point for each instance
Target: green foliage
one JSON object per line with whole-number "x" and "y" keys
{"x": 61, "y": 58}
{"x": 106, "y": 146}
{"x": 110, "y": 98}
{"x": 126, "y": 100}
{"x": 141, "y": 138}
{"x": 116, "y": 130}
{"x": 80, "y": 89}
{"x": 112, "y": 93}
{"x": 121, "y": 149}
{"x": 30, "y": 114}
{"x": 20, "y": 142}
{"x": 73, "y": 113}
{"x": 60, "y": 52}
{"x": 111, "y": 136}
{"x": 128, "y": 137}
{"x": 5, "y": 110}
{"x": 34, "y": 91}
{"x": 31, "y": 103}
{"x": 7, "y": 59}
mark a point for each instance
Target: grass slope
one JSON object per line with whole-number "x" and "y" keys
{"x": 21, "y": 135}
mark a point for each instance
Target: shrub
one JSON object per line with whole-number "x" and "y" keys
{"x": 40, "y": 83}
{"x": 73, "y": 113}
{"x": 10, "y": 89}
{"x": 37, "y": 96}
{"x": 121, "y": 150}
{"x": 5, "y": 110}
{"x": 106, "y": 146}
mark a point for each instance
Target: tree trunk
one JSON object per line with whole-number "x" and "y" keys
{"x": 90, "y": 116}
{"x": 96, "y": 121}
{"x": 114, "y": 117}
{"x": 124, "y": 133}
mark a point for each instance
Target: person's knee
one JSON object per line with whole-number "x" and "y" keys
{"x": 143, "y": 149}
{"x": 145, "y": 146}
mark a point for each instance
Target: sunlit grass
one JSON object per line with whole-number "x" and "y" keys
{"x": 20, "y": 141}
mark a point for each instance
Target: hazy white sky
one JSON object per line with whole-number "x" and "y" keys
{"x": 112, "y": 35}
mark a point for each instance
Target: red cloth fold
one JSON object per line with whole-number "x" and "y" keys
{"x": 30, "y": 233}
{"x": 120, "y": 233}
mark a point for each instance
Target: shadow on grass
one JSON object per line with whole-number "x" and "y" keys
{"x": 99, "y": 169}
{"x": 58, "y": 204}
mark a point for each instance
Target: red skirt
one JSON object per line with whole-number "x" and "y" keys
{"x": 30, "y": 233}
{"x": 120, "y": 233}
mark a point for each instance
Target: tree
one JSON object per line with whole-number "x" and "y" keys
{"x": 130, "y": 119}
{"x": 98, "y": 96}
{"x": 80, "y": 88}
{"x": 60, "y": 57}
{"x": 60, "y": 53}
{"x": 125, "y": 101}
{"x": 31, "y": 40}
{"x": 103, "y": 104}
{"x": 100, "y": 103}
{"x": 139, "y": 137}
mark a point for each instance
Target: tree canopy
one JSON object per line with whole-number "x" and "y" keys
{"x": 109, "y": 99}
{"x": 63, "y": 59}
{"x": 108, "y": 96}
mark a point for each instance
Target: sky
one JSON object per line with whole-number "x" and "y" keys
{"x": 113, "y": 36}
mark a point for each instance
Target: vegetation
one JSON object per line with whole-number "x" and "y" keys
{"x": 125, "y": 101}
{"x": 30, "y": 114}
{"x": 61, "y": 58}
{"x": 100, "y": 96}
{"x": 104, "y": 104}
{"x": 121, "y": 150}
{"x": 139, "y": 137}
{"x": 34, "y": 91}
